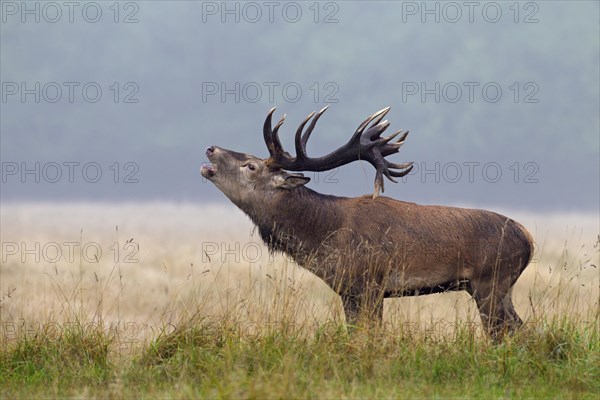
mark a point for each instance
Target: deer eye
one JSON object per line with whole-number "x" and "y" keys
{"x": 251, "y": 167}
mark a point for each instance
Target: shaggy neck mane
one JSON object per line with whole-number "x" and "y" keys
{"x": 296, "y": 221}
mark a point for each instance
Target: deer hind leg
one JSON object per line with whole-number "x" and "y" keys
{"x": 509, "y": 309}
{"x": 495, "y": 307}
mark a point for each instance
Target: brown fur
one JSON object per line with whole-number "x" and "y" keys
{"x": 368, "y": 249}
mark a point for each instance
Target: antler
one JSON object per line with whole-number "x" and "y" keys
{"x": 366, "y": 144}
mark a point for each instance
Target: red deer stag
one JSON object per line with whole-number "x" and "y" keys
{"x": 369, "y": 248}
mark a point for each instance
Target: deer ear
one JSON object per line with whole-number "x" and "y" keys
{"x": 292, "y": 181}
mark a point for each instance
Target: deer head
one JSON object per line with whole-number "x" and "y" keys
{"x": 244, "y": 177}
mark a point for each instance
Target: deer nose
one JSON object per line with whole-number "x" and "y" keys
{"x": 210, "y": 150}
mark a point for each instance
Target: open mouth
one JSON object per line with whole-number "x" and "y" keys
{"x": 208, "y": 170}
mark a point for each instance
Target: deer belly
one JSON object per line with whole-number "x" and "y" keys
{"x": 424, "y": 280}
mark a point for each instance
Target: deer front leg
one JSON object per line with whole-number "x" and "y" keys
{"x": 351, "y": 308}
{"x": 360, "y": 307}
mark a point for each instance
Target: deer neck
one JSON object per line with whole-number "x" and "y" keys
{"x": 297, "y": 221}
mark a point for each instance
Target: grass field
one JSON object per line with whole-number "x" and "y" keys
{"x": 178, "y": 301}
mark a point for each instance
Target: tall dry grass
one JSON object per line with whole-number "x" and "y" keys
{"x": 148, "y": 266}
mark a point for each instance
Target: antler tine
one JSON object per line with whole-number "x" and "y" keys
{"x": 379, "y": 187}
{"x": 386, "y": 140}
{"x": 377, "y": 117}
{"x": 379, "y": 114}
{"x": 310, "y": 128}
{"x": 373, "y": 134}
{"x": 275, "y": 137}
{"x": 403, "y": 138}
{"x": 383, "y": 168}
{"x": 400, "y": 166}
{"x": 267, "y": 132}
{"x": 380, "y": 165}
{"x": 276, "y": 152}
{"x": 391, "y": 148}
{"x": 301, "y": 149}
{"x": 400, "y": 174}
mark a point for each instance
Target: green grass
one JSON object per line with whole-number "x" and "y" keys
{"x": 547, "y": 359}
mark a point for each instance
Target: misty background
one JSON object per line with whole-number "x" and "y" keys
{"x": 118, "y": 101}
